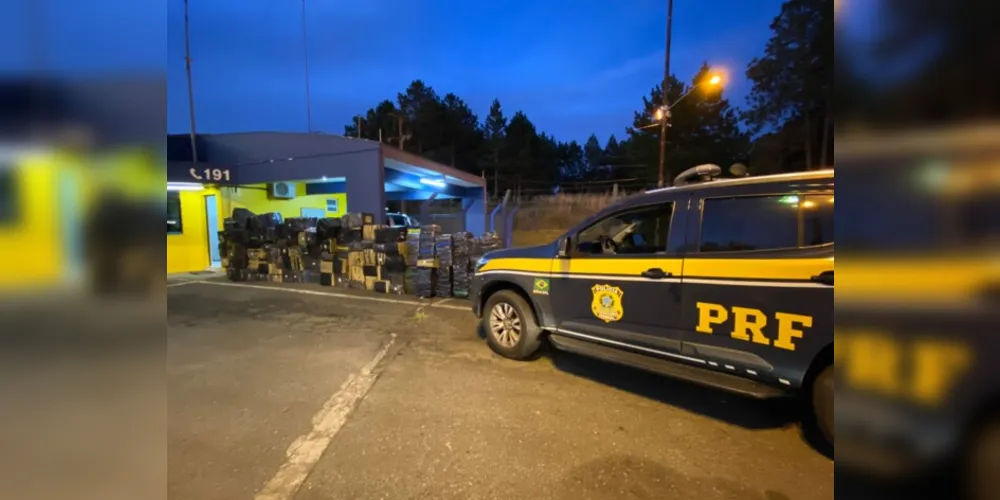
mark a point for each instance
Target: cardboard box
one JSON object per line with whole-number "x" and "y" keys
{"x": 356, "y": 274}
{"x": 326, "y": 267}
{"x": 368, "y": 232}
{"x": 370, "y": 282}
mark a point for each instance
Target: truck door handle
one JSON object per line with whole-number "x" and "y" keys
{"x": 825, "y": 277}
{"x": 655, "y": 274}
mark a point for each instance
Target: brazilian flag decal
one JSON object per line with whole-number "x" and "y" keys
{"x": 541, "y": 286}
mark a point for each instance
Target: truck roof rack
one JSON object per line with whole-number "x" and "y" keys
{"x": 698, "y": 174}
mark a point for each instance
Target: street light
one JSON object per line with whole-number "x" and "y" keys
{"x": 663, "y": 112}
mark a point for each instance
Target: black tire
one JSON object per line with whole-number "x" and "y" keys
{"x": 982, "y": 461}
{"x": 529, "y": 337}
{"x": 821, "y": 395}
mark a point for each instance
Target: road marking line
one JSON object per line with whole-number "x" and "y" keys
{"x": 442, "y": 302}
{"x": 333, "y": 294}
{"x": 182, "y": 283}
{"x": 306, "y": 450}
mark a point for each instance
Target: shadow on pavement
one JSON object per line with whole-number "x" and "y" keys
{"x": 635, "y": 477}
{"x": 713, "y": 403}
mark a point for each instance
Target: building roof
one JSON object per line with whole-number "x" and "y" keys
{"x": 284, "y": 148}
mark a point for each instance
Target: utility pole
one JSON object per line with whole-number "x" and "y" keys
{"x": 187, "y": 65}
{"x": 359, "y": 126}
{"x": 305, "y": 54}
{"x": 663, "y": 89}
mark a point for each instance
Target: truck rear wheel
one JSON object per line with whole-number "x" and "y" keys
{"x": 822, "y": 404}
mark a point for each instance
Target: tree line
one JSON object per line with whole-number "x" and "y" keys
{"x": 786, "y": 125}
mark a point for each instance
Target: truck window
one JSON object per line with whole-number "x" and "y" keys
{"x": 640, "y": 231}
{"x": 766, "y": 222}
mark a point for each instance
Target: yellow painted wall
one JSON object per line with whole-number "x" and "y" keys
{"x": 254, "y": 198}
{"x": 31, "y": 249}
{"x": 188, "y": 251}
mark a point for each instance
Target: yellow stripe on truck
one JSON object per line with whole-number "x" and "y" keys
{"x": 616, "y": 266}
{"x": 762, "y": 269}
{"x": 594, "y": 266}
{"x": 932, "y": 279}
{"x": 540, "y": 266}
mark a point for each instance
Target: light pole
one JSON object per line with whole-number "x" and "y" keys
{"x": 666, "y": 77}
{"x": 305, "y": 54}
{"x": 187, "y": 67}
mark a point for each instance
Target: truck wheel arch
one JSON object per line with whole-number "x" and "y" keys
{"x": 495, "y": 286}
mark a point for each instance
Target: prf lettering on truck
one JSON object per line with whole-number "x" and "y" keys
{"x": 923, "y": 369}
{"x": 749, "y": 323}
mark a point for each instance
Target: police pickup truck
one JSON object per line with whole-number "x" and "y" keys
{"x": 727, "y": 283}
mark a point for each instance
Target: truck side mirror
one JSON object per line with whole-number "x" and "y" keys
{"x": 563, "y": 248}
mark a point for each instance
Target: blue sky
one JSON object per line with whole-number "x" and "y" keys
{"x": 574, "y": 66}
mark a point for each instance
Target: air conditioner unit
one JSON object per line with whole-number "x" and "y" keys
{"x": 282, "y": 190}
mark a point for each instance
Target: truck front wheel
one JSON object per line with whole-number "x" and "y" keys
{"x": 510, "y": 326}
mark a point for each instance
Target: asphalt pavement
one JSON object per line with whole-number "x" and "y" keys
{"x": 281, "y": 392}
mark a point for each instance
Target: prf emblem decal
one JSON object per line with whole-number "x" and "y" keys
{"x": 541, "y": 287}
{"x": 607, "y": 304}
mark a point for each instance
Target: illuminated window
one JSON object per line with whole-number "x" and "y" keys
{"x": 817, "y": 220}
{"x": 174, "y": 225}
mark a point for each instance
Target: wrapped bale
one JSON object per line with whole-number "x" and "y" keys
{"x": 461, "y": 279}
{"x": 348, "y": 236}
{"x": 387, "y": 248}
{"x": 392, "y": 268}
{"x": 301, "y": 224}
{"x": 241, "y": 217}
{"x": 267, "y": 225}
{"x": 306, "y": 239}
{"x": 390, "y": 235}
{"x": 426, "y": 248}
{"x": 432, "y": 230}
{"x": 370, "y": 255}
{"x": 444, "y": 250}
{"x": 462, "y": 244}
{"x": 412, "y": 248}
{"x": 234, "y": 274}
{"x": 443, "y": 287}
{"x": 368, "y": 232}
{"x": 352, "y": 220}
{"x": 483, "y": 245}
{"x": 295, "y": 262}
{"x": 356, "y": 265}
{"x": 326, "y": 269}
{"x": 328, "y": 228}
{"x": 425, "y": 282}
{"x": 410, "y": 280}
